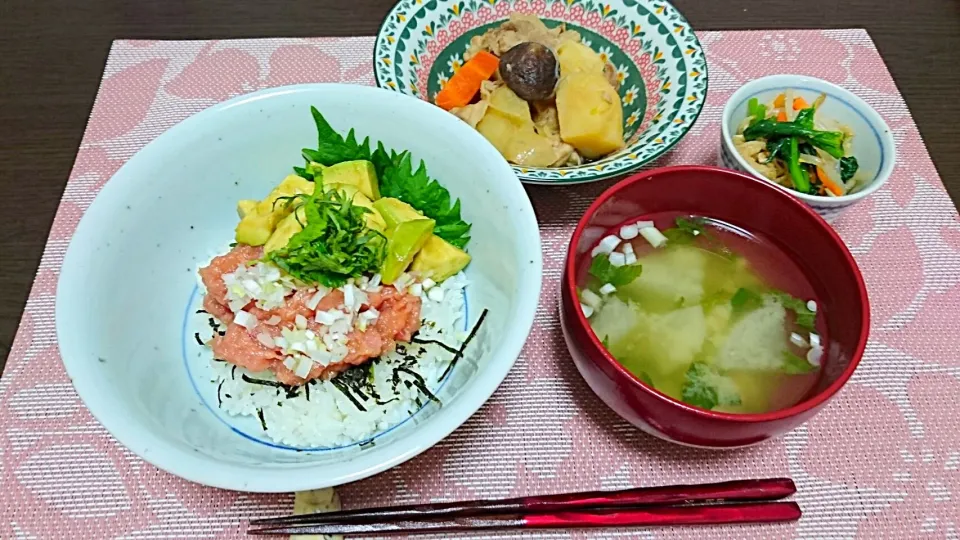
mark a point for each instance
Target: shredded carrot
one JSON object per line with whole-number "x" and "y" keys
{"x": 466, "y": 82}
{"x": 828, "y": 183}
{"x": 800, "y": 103}
{"x": 780, "y": 101}
{"x": 782, "y": 116}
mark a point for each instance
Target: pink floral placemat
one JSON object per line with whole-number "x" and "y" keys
{"x": 881, "y": 461}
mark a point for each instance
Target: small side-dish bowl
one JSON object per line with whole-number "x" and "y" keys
{"x": 660, "y": 63}
{"x": 759, "y": 208}
{"x": 128, "y": 288}
{"x": 873, "y": 143}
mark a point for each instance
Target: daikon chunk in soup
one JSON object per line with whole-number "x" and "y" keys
{"x": 705, "y": 313}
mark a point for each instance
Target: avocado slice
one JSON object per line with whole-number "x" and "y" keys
{"x": 259, "y": 221}
{"x": 395, "y": 211}
{"x": 439, "y": 259}
{"x": 360, "y": 173}
{"x": 255, "y": 229}
{"x": 290, "y": 186}
{"x": 404, "y": 240}
{"x": 285, "y": 230}
{"x": 246, "y": 207}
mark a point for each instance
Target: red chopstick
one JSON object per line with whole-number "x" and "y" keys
{"x": 766, "y": 512}
{"x": 737, "y": 490}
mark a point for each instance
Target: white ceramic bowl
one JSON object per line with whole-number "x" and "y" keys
{"x": 873, "y": 143}
{"x": 129, "y": 278}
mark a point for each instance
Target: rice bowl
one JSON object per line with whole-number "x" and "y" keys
{"x": 127, "y": 298}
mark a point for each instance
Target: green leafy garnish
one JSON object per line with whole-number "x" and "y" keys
{"x": 335, "y": 243}
{"x": 798, "y": 175}
{"x": 794, "y": 365}
{"x": 830, "y": 142}
{"x": 848, "y": 168}
{"x": 310, "y": 171}
{"x": 756, "y": 110}
{"x": 805, "y": 318}
{"x": 686, "y": 230}
{"x": 805, "y": 118}
{"x": 745, "y": 300}
{"x": 689, "y": 229}
{"x": 333, "y": 148}
{"x": 617, "y": 276}
{"x": 396, "y": 175}
{"x": 302, "y": 172}
{"x": 645, "y": 377}
{"x": 693, "y": 225}
{"x": 776, "y": 148}
{"x": 605, "y": 342}
{"x": 704, "y": 387}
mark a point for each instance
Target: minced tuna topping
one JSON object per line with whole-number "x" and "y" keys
{"x": 306, "y": 332}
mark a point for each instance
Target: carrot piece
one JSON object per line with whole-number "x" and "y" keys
{"x": 782, "y": 116}
{"x": 800, "y": 103}
{"x": 780, "y": 101}
{"x": 485, "y": 63}
{"x": 828, "y": 183}
{"x": 466, "y": 82}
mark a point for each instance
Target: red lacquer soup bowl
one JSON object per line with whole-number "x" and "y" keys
{"x": 762, "y": 210}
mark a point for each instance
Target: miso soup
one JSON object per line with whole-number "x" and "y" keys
{"x": 705, "y": 312}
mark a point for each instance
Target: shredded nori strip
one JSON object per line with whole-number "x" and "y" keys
{"x": 306, "y": 390}
{"x": 263, "y": 422}
{"x": 201, "y": 311}
{"x": 339, "y": 385}
{"x": 368, "y": 444}
{"x": 359, "y": 380}
{"x": 420, "y": 384}
{"x": 356, "y": 379}
{"x": 463, "y": 347}
{"x": 290, "y": 391}
{"x": 233, "y": 372}
{"x": 228, "y": 396}
{"x": 262, "y": 382}
{"x": 196, "y": 335}
{"x": 220, "y": 401}
{"x": 440, "y": 344}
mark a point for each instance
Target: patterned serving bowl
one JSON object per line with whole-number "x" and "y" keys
{"x": 873, "y": 142}
{"x": 659, "y": 61}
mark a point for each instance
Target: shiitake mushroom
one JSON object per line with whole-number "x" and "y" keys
{"x": 531, "y": 70}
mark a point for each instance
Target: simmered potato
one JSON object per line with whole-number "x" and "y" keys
{"x": 591, "y": 116}
{"x": 506, "y": 101}
{"x": 527, "y": 147}
{"x": 517, "y": 140}
{"x": 575, "y": 56}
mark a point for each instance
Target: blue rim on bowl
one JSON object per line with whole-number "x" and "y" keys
{"x": 657, "y": 55}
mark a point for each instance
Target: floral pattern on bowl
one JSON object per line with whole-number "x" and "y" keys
{"x": 659, "y": 61}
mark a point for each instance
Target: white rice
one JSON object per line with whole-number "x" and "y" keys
{"x": 329, "y": 418}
